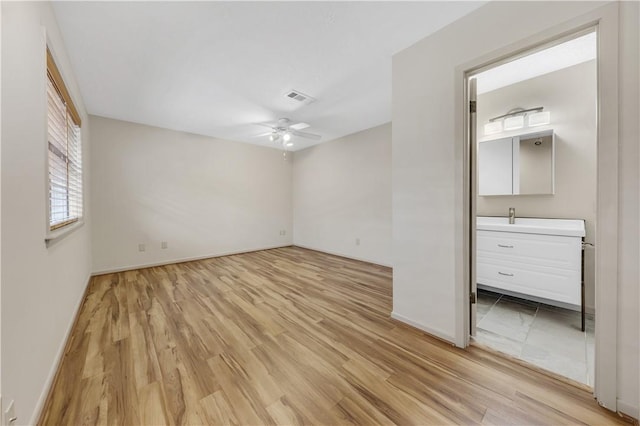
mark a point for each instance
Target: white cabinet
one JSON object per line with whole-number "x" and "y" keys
{"x": 542, "y": 265}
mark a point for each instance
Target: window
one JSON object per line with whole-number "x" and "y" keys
{"x": 65, "y": 152}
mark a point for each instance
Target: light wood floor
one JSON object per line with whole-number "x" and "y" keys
{"x": 284, "y": 336}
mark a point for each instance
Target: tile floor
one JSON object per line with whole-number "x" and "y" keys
{"x": 544, "y": 335}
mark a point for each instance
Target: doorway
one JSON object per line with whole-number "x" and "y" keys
{"x": 534, "y": 156}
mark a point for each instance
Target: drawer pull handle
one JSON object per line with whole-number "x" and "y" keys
{"x": 505, "y": 274}
{"x": 503, "y": 246}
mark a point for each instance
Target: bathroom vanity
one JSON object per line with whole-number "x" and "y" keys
{"x": 541, "y": 258}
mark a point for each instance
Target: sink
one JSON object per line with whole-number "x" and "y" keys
{"x": 565, "y": 227}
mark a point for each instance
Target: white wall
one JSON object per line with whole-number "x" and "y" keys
{"x": 628, "y": 248}
{"x": 41, "y": 287}
{"x": 570, "y": 95}
{"x": 342, "y": 192}
{"x": 427, "y": 164}
{"x": 203, "y": 196}
{"x": 0, "y": 210}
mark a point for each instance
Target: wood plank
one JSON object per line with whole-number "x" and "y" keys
{"x": 283, "y": 336}
{"x": 151, "y": 405}
{"x": 217, "y": 410}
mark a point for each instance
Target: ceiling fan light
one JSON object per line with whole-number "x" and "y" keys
{"x": 287, "y": 137}
{"x": 273, "y": 137}
{"x": 289, "y": 144}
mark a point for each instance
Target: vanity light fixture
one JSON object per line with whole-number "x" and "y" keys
{"x": 515, "y": 119}
{"x": 539, "y": 118}
{"x": 514, "y": 122}
{"x": 493, "y": 127}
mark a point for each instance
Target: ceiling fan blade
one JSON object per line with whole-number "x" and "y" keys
{"x": 261, "y": 135}
{"x": 305, "y": 135}
{"x": 299, "y": 126}
{"x": 269, "y": 125}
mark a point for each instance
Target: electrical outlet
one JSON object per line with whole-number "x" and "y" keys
{"x": 164, "y": 245}
{"x": 9, "y": 416}
{"x": 142, "y": 247}
{"x": 357, "y": 241}
{"x": 284, "y": 232}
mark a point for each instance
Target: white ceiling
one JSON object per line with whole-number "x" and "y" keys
{"x": 564, "y": 55}
{"x": 213, "y": 68}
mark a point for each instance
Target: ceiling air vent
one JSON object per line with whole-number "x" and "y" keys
{"x": 299, "y": 96}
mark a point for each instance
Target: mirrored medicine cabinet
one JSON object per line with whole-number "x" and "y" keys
{"x": 517, "y": 165}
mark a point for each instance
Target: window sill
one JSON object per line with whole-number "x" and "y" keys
{"x": 55, "y": 236}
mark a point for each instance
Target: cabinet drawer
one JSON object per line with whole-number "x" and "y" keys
{"x": 550, "y": 283}
{"x": 530, "y": 249}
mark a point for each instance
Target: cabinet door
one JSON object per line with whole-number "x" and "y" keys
{"x": 495, "y": 167}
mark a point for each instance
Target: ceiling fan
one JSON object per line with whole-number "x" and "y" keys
{"x": 282, "y": 131}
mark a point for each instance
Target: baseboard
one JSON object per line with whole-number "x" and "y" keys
{"x": 348, "y": 256}
{"x": 48, "y": 385}
{"x": 588, "y": 309}
{"x": 628, "y": 409}
{"x": 182, "y": 260}
{"x": 429, "y": 330}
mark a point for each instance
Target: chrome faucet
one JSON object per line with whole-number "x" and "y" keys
{"x": 512, "y": 215}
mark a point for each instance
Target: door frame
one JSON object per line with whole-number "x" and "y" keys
{"x": 605, "y": 20}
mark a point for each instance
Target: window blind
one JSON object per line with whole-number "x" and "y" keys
{"x": 64, "y": 154}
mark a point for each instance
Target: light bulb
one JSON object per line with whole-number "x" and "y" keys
{"x": 289, "y": 144}
{"x": 273, "y": 137}
{"x": 286, "y": 137}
